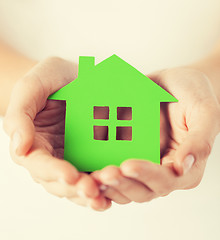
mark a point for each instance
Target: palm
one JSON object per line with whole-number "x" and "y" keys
{"x": 186, "y": 115}
{"x": 50, "y": 126}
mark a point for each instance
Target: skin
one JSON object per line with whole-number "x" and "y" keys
{"x": 36, "y": 128}
{"x": 192, "y": 126}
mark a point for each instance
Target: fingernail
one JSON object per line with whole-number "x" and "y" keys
{"x": 187, "y": 163}
{"x": 103, "y": 187}
{"x": 80, "y": 193}
{"x": 16, "y": 140}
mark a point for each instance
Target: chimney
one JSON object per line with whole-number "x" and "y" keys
{"x": 86, "y": 64}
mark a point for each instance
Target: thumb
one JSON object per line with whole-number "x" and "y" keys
{"x": 20, "y": 128}
{"x": 29, "y": 97}
{"x": 197, "y": 146}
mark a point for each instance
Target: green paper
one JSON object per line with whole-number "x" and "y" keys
{"x": 113, "y": 83}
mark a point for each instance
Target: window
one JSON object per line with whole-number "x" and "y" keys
{"x": 101, "y": 112}
{"x": 100, "y": 132}
{"x": 124, "y": 133}
{"x": 124, "y": 113}
{"x": 112, "y": 124}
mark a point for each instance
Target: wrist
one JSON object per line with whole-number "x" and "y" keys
{"x": 9, "y": 76}
{"x": 210, "y": 66}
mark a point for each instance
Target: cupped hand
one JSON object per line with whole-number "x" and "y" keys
{"x": 36, "y": 128}
{"x": 188, "y": 131}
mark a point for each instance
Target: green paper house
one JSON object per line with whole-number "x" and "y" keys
{"x": 112, "y": 114}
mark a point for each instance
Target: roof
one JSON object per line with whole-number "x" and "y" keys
{"x": 112, "y": 77}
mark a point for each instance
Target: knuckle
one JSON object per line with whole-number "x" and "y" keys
{"x": 206, "y": 148}
{"x": 66, "y": 175}
{"x": 66, "y": 192}
{"x": 110, "y": 172}
{"x": 69, "y": 193}
{"x": 68, "y": 178}
{"x": 54, "y": 60}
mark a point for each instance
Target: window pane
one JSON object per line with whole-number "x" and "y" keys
{"x": 124, "y": 133}
{"x": 100, "y": 132}
{"x": 101, "y": 112}
{"x": 124, "y": 113}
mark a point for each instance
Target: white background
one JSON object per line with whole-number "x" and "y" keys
{"x": 149, "y": 35}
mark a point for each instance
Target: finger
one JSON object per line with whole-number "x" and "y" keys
{"x": 79, "y": 201}
{"x": 62, "y": 190}
{"x": 20, "y": 128}
{"x": 75, "y": 194}
{"x": 130, "y": 188}
{"x": 81, "y": 189}
{"x": 160, "y": 179}
{"x": 116, "y": 196}
{"x": 168, "y": 158}
{"x": 100, "y": 203}
{"x": 196, "y": 147}
{"x": 59, "y": 189}
{"x": 42, "y": 165}
{"x": 87, "y": 187}
{"x": 29, "y": 97}
{"x": 108, "y": 191}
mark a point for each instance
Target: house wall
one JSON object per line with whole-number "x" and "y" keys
{"x": 88, "y": 154}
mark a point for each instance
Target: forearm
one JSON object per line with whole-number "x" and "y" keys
{"x": 13, "y": 65}
{"x": 210, "y": 66}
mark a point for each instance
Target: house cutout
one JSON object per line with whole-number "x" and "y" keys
{"x": 112, "y": 114}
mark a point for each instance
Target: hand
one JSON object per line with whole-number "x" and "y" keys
{"x": 188, "y": 130}
{"x": 36, "y": 127}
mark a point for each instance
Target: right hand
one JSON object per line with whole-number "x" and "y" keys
{"x": 36, "y": 128}
{"x": 188, "y": 131}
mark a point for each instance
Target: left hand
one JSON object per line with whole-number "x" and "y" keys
{"x": 36, "y": 127}
{"x": 188, "y": 130}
